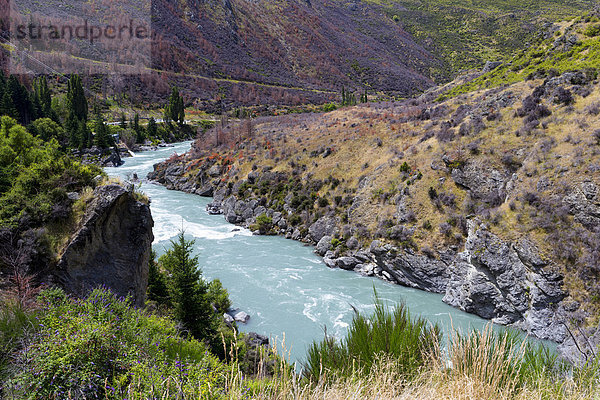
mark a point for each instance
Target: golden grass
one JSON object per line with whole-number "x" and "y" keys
{"x": 475, "y": 369}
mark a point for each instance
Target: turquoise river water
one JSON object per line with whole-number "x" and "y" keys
{"x": 289, "y": 293}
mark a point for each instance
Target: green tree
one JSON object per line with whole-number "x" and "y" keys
{"x": 77, "y": 105}
{"x": 189, "y": 291}
{"x": 103, "y": 138}
{"x": 151, "y": 128}
{"x": 175, "y": 108}
{"x": 139, "y": 131}
{"x": 84, "y": 135}
{"x": 47, "y": 129}
{"x": 21, "y": 100}
{"x": 42, "y": 93}
{"x": 123, "y": 122}
{"x": 218, "y": 296}
{"x": 157, "y": 282}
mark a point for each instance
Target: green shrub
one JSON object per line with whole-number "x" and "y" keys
{"x": 100, "y": 346}
{"x": 218, "y": 296}
{"x": 409, "y": 343}
{"x": 263, "y": 224}
{"x": 592, "y": 30}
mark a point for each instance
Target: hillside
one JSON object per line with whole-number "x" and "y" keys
{"x": 230, "y": 53}
{"x": 490, "y": 197}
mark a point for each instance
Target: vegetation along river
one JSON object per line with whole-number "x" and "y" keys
{"x": 285, "y": 288}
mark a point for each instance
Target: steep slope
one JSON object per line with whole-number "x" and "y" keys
{"x": 237, "y": 52}
{"x": 491, "y": 197}
{"x": 315, "y": 44}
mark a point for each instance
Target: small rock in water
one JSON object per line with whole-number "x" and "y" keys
{"x": 239, "y": 316}
{"x": 228, "y": 319}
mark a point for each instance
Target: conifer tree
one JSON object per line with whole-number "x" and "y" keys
{"x": 151, "y": 128}
{"x": 42, "y": 93}
{"x": 175, "y": 108}
{"x": 157, "y": 282}
{"x": 189, "y": 291}
{"x": 76, "y": 102}
{"x": 123, "y": 122}
{"x": 103, "y": 138}
{"x": 139, "y": 132}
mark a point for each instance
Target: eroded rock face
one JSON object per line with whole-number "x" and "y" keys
{"x": 507, "y": 283}
{"x": 584, "y": 204}
{"x": 482, "y": 182}
{"x": 112, "y": 247}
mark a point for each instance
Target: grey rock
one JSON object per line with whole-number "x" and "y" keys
{"x": 409, "y": 269}
{"x": 205, "y": 191}
{"x": 490, "y": 66}
{"x": 228, "y": 319}
{"x": 324, "y": 226}
{"x": 483, "y": 182}
{"x": 507, "y": 283}
{"x": 214, "y": 171}
{"x": 323, "y": 246}
{"x": 253, "y": 177}
{"x": 584, "y": 204}
{"x": 73, "y": 196}
{"x": 347, "y": 263}
{"x": 239, "y": 316}
{"x": 352, "y": 243}
{"x": 112, "y": 247}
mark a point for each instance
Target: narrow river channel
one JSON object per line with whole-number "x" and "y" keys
{"x": 285, "y": 288}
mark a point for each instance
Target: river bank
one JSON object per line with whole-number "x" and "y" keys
{"x": 504, "y": 282}
{"x": 304, "y": 296}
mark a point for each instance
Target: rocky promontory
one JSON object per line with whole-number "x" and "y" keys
{"x": 111, "y": 248}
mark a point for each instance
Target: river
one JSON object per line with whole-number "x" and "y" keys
{"x": 289, "y": 293}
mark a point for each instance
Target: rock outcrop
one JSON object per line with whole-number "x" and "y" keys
{"x": 507, "y": 283}
{"x": 112, "y": 247}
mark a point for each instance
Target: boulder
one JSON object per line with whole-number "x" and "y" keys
{"x": 112, "y": 247}
{"x": 324, "y": 226}
{"x": 323, "y": 246}
{"x": 240, "y": 316}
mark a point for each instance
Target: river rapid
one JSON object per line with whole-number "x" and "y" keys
{"x": 289, "y": 293}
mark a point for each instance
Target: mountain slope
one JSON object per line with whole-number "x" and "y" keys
{"x": 491, "y": 197}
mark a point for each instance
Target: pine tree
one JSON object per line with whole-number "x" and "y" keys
{"x": 103, "y": 138}
{"x": 151, "y": 128}
{"x": 84, "y": 136}
{"x": 189, "y": 291}
{"x": 139, "y": 132}
{"x": 7, "y": 106}
{"x": 42, "y": 93}
{"x": 123, "y": 122}
{"x": 157, "y": 283}
{"x": 21, "y": 100}
{"x": 175, "y": 108}
{"x": 76, "y": 102}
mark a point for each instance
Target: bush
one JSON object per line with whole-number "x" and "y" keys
{"x": 99, "y": 346}
{"x": 592, "y": 30}
{"x": 263, "y": 224}
{"x": 409, "y": 343}
{"x": 218, "y": 296}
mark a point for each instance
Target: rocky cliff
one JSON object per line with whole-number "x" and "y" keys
{"x": 111, "y": 248}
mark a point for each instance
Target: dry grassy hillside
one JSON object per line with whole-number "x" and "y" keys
{"x": 520, "y": 159}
